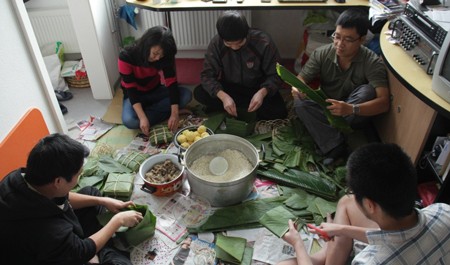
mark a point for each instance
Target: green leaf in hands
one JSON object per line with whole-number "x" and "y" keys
{"x": 315, "y": 95}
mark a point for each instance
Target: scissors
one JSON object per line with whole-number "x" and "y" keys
{"x": 319, "y": 231}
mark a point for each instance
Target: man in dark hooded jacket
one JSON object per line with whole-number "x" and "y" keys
{"x": 240, "y": 71}
{"x": 42, "y": 222}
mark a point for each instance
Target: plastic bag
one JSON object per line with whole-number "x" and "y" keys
{"x": 69, "y": 68}
{"x": 53, "y": 59}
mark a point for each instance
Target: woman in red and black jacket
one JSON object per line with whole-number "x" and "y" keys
{"x": 147, "y": 101}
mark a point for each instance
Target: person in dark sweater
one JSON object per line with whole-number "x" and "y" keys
{"x": 146, "y": 101}
{"x": 43, "y": 222}
{"x": 240, "y": 71}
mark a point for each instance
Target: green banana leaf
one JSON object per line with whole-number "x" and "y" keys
{"x": 285, "y": 140}
{"x": 133, "y": 236}
{"x": 234, "y": 217}
{"x": 94, "y": 181}
{"x": 325, "y": 206}
{"x": 319, "y": 97}
{"x": 214, "y": 121}
{"x": 259, "y": 137}
{"x": 108, "y": 164}
{"x": 304, "y": 215}
{"x": 340, "y": 174}
{"x": 248, "y": 256}
{"x": 230, "y": 249}
{"x": 91, "y": 168}
{"x": 276, "y": 220}
{"x": 311, "y": 183}
{"x": 293, "y": 158}
{"x": 297, "y": 202}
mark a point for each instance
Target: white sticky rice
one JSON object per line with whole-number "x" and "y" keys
{"x": 238, "y": 166}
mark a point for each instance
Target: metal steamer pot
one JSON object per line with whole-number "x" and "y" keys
{"x": 221, "y": 194}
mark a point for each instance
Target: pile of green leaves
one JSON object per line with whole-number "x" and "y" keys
{"x": 295, "y": 202}
{"x": 97, "y": 169}
{"x": 290, "y": 159}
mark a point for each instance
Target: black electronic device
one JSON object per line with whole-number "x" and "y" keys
{"x": 419, "y": 36}
{"x": 265, "y": 1}
{"x": 239, "y": 1}
{"x": 219, "y": 1}
{"x": 425, "y": 24}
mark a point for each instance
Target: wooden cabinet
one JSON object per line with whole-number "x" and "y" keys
{"x": 417, "y": 114}
{"x": 408, "y": 122}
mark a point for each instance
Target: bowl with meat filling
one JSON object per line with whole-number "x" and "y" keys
{"x": 162, "y": 174}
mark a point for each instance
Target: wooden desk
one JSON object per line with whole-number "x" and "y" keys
{"x": 198, "y": 5}
{"x": 414, "y": 105}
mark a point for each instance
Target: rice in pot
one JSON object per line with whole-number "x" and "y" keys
{"x": 238, "y": 166}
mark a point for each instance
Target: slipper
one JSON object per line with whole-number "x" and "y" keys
{"x": 63, "y": 108}
{"x": 63, "y": 95}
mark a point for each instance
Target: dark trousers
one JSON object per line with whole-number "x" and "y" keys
{"x": 273, "y": 107}
{"x": 326, "y": 136}
{"x": 87, "y": 217}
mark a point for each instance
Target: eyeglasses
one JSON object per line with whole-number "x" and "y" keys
{"x": 336, "y": 37}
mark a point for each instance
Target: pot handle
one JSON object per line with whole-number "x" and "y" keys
{"x": 263, "y": 151}
{"x": 148, "y": 189}
{"x": 181, "y": 157}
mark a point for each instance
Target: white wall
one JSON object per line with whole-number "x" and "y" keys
{"x": 285, "y": 26}
{"x": 21, "y": 87}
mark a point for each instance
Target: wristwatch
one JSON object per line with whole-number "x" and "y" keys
{"x": 355, "y": 109}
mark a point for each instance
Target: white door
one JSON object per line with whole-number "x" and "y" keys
{"x": 96, "y": 34}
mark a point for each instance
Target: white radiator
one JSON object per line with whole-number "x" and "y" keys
{"x": 51, "y": 25}
{"x": 192, "y": 30}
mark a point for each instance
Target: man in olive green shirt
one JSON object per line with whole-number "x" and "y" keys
{"x": 353, "y": 78}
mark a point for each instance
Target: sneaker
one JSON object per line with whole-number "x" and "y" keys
{"x": 63, "y": 95}
{"x": 336, "y": 155}
{"x": 63, "y": 108}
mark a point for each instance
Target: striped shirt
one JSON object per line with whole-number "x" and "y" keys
{"x": 139, "y": 79}
{"x": 426, "y": 243}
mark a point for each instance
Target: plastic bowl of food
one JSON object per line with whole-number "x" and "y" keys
{"x": 162, "y": 174}
{"x": 188, "y": 135}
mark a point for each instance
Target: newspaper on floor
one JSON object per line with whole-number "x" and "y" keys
{"x": 180, "y": 212}
{"x": 140, "y": 143}
{"x": 195, "y": 251}
{"x": 93, "y": 129}
{"x": 270, "y": 249}
{"x": 158, "y": 250}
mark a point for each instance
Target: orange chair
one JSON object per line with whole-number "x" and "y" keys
{"x": 16, "y": 146}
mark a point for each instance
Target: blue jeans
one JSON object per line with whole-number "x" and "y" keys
{"x": 157, "y": 111}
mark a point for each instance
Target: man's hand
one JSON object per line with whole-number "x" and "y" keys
{"x": 339, "y": 108}
{"x": 114, "y": 205}
{"x": 297, "y": 94}
{"x": 129, "y": 218}
{"x": 228, "y": 103}
{"x": 293, "y": 236}
{"x": 173, "y": 122}
{"x": 144, "y": 124}
{"x": 257, "y": 100}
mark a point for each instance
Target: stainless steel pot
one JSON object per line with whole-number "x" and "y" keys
{"x": 224, "y": 193}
